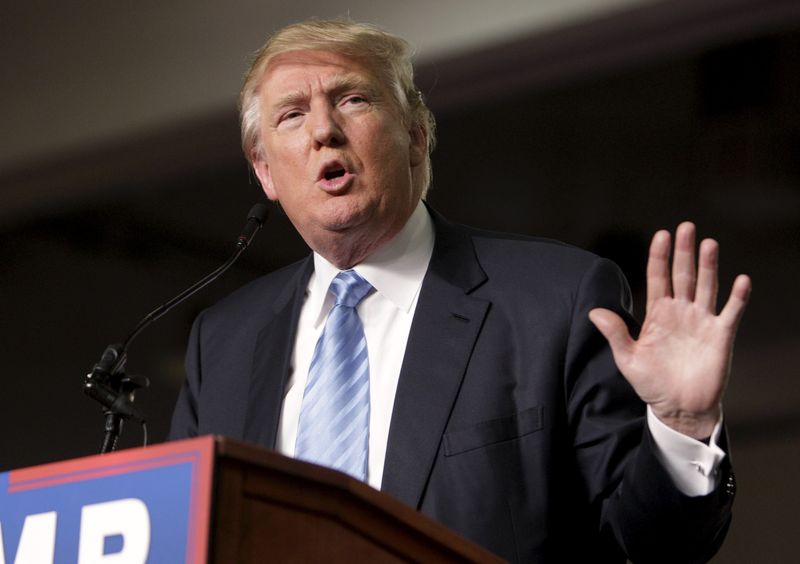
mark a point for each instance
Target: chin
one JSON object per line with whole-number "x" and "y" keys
{"x": 343, "y": 216}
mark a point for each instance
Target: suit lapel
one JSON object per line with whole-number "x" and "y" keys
{"x": 271, "y": 359}
{"x": 446, "y": 325}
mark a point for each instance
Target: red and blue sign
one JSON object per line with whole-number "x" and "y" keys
{"x": 142, "y": 505}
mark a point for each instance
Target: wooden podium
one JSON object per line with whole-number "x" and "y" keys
{"x": 214, "y": 500}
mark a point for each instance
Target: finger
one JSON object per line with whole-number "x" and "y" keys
{"x": 616, "y": 333}
{"x": 658, "y": 284}
{"x": 683, "y": 267}
{"x": 732, "y": 313}
{"x": 707, "y": 285}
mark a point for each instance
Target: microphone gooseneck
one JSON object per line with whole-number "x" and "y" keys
{"x": 107, "y": 383}
{"x": 255, "y": 220}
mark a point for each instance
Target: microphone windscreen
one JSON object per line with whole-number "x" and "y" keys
{"x": 259, "y": 212}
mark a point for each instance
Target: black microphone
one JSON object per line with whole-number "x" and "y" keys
{"x": 102, "y": 382}
{"x": 255, "y": 219}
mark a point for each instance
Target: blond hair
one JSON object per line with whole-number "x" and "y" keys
{"x": 387, "y": 55}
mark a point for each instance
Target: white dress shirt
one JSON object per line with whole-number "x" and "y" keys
{"x": 396, "y": 272}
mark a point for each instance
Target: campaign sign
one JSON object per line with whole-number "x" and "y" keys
{"x": 142, "y": 505}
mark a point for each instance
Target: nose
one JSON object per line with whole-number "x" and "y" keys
{"x": 325, "y": 129}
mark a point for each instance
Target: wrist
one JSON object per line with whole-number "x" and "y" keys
{"x": 698, "y": 426}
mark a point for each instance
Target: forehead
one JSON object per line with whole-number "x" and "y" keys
{"x": 299, "y": 69}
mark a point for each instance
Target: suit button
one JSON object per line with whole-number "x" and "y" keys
{"x": 730, "y": 485}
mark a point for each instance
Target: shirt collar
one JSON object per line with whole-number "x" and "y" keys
{"x": 395, "y": 271}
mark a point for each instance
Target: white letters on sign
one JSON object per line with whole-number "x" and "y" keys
{"x": 128, "y": 518}
{"x": 37, "y": 543}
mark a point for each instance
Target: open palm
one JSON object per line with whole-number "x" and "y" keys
{"x": 680, "y": 363}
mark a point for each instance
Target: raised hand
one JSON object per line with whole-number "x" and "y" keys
{"x": 681, "y": 361}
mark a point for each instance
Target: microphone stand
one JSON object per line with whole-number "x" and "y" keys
{"x": 108, "y": 384}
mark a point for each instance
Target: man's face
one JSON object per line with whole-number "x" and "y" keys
{"x": 335, "y": 153}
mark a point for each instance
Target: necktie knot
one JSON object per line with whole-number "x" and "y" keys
{"x": 349, "y": 288}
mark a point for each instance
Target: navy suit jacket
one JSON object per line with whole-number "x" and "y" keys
{"x": 511, "y": 423}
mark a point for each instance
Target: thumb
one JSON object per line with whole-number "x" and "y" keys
{"x": 615, "y": 331}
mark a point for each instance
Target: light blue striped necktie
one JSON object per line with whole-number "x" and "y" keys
{"x": 334, "y": 418}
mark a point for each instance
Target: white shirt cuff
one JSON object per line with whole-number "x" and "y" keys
{"x": 692, "y": 464}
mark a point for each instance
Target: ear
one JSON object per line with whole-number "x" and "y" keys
{"x": 418, "y": 147}
{"x": 261, "y": 168}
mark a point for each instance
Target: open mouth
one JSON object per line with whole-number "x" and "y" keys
{"x": 333, "y": 173}
{"x": 333, "y": 170}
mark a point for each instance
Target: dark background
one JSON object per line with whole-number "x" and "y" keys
{"x": 596, "y": 134}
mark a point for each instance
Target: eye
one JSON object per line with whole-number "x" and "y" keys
{"x": 354, "y": 100}
{"x": 289, "y": 116}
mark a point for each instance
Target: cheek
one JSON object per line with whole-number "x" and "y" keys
{"x": 392, "y": 149}
{"x": 288, "y": 168}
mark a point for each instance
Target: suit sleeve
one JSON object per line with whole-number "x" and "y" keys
{"x": 184, "y": 417}
{"x": 637, "y": 502}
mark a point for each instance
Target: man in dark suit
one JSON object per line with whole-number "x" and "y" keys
{"x": 507, "y": 398}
